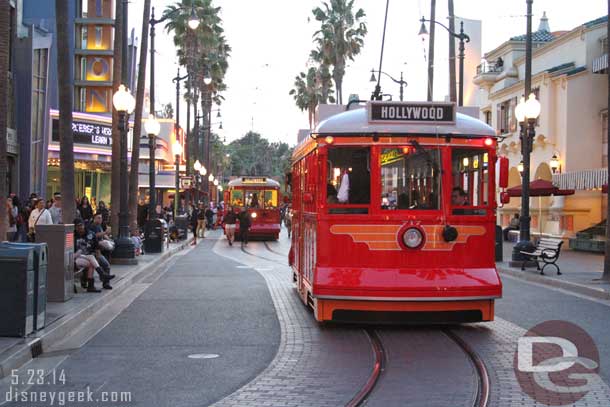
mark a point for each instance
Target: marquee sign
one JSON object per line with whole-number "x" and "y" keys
{"x": 86, "y": 133}
{"x": 254, "y": 180}
{"x": 411, "y": 112}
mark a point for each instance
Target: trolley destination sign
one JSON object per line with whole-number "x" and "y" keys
{"x": 411, "y": 112}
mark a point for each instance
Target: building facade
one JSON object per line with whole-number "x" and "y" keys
{"x": 570, "y": 131}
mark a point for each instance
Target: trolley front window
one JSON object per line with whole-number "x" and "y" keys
{"x": 348, "y": 183}
{"x": 237, "y": 197}
{"x": 410, "y": 178}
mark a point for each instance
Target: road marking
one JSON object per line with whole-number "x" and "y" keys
{"x": 203, "y": 356}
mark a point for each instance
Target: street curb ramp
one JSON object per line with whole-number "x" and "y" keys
{"x": 35, "y": 344}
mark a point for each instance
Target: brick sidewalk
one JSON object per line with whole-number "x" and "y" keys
{"x": 581, "y": 272}
{"x": 62, "y": 318}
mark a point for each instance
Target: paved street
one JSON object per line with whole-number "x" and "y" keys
{"x": 223, "y": 326}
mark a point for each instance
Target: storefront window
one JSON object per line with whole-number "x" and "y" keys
{"x": 348, "y": 176}
{"x": 470, "y": 179}
{"x": 410, "y": 178}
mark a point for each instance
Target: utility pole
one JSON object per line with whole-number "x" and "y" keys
{"x": 452, "y": 83}
{"x": 431, "y": 51}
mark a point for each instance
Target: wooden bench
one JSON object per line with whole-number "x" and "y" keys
{"x": 547, "y": 251}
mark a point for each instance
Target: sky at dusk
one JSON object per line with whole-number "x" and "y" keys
{"x": 271, "y": 40}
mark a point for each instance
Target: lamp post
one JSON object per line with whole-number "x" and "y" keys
{"x": 400, "y": 81}
{"x": 460, "y": 36}
{"x": 124, "y": 251}
{"x": 177, "y": 150}
{"x": 193, "y": 23}
{"x": 527, "y": 113}
{"x": 555, "y": 164}
{"x": 152, "y": 128}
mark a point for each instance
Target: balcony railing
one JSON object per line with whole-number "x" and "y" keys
{"x": 600, "y": 64}
{"x": 487, "y": 67}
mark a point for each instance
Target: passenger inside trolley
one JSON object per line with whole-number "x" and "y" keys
{"x": 349, "y": 173}
{"x": 459, "y": 197}
{"x": 254, "y": 201}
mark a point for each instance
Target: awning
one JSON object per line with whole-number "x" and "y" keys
{"x": 582, "y": 180}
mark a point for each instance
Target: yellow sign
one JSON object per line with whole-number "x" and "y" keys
{"x": 98, "y": 99}
{"x": 99, "y": 68}
{"x": 254, "y": 180}
{"x": 391, "y": 156}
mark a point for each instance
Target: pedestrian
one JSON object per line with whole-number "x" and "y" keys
{"x": 209, "y": 217}
{"x": 86, "y": 212}
{"x": 229, "y": 221}
{"x": 39, "y": 216}
{"x": 244, "y": 226}
{"x": 55, "y": 209}
{"x": 288, "y": 220}
{"x": 201, "y": 220}
{"x": 21, "y": 218}
{"x": 194, "y": 224}
{"x": 12, "y": 220}
{"x": 102, "y": 209}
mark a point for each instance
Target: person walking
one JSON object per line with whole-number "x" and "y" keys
{"x": 201, "y": 220}
{"x": 194, "y": 219}
{"x": 209, "y": 217}
{"x": 55, "y": 209}
{"x": 229, "y": 221}
{"x": 244, "y": 226}
{"x": 39, "y": 216}
{"x": 86, "y": 212}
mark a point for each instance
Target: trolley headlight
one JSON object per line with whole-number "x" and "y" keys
{"x": 412, "y": 238}
{"x": 253, "y": 215}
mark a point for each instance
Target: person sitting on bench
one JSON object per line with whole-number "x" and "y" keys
{"x": 513, "y": 225}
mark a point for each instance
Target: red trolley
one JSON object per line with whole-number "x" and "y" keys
{"x": 261, "y": 197}
{"x": 394, "y": 215}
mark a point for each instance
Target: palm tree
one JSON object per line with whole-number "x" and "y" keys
{"x": 66, "y": 137}
{"x": 115, "y": 188}
{"x": 137, "y": 126}
{"x": 205, "y": 53}
{"x": 340, "y": 37}
{"x": 323, "y": 75}
{"x": 4, "y": 53}
{"x": 307, "y": 92}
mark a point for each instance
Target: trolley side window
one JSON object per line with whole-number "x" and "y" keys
{"x": 348, "y": 183}
{"x": 410, "y": 178}
{"x": 237, "y": 197}
{"x": 470, "y": 176}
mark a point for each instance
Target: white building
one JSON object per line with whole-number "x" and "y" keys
{"x": 570, "y": 81}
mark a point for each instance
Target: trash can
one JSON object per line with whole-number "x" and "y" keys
{"x": 16, "y": 292}
{"x": 60, "y": 262}
{"x": 182, "y": 223}
{"x": 154, "y": 235}
{"x": 499, "y": 244}
{"x": 40, "y": 278}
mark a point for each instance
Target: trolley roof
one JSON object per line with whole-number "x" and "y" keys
{"x": 254, "y": 182}
{"x": 358, "y": 122}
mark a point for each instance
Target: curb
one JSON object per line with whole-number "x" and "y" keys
{"x": 553, "y": 282}
{"x": 35, "y": 344}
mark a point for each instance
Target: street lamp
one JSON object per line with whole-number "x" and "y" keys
{"x": 211, "y": 178}
{"x": 193, "y": 23}
{"x": 177, "y": 150}
{"x": 555, "y": 164}
{"x": 423, "y": 31}
{"x": 520, "y": 168}
{"x": 401, "y": 82}
{"x": 152, "y": 128}
{"x": 124, "y": 250}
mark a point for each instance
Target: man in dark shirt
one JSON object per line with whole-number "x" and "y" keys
{"x": 244, "y": 226}
{"x": 229, "y": 220}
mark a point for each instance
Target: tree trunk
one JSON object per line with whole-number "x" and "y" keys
{"x": 5, "y": 10}
{"x": 452, "y": 83}
{"x": 431, "y": 51}
{"x": 606, "y": 274}
{"x": 65, "y": 91}
{"x": 137, "y": 126}
{"x": 115, "y": 189}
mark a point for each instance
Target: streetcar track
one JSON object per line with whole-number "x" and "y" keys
{"x": 273, "y": 251}
{"x": 482, "y": 398}
{"x": 378, "y": 366}
{"x": 256, "y": 255}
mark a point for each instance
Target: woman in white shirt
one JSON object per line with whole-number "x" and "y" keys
{"x": 39, "y": 216}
